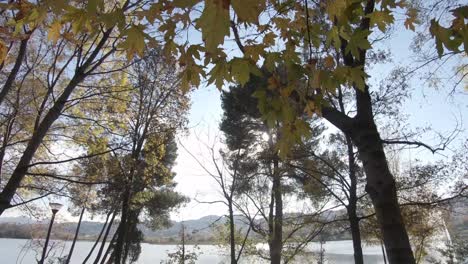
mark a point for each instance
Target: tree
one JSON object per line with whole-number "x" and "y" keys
{"x": 231, "y": 169}
{"x": 333, "y": 173}
{"x": 182, "y": 255}
{"x": 84, "y": 43}
{"x": 263, "y": 177}
{"x": 156, "y": 111}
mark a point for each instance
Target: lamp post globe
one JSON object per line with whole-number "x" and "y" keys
{"x": 55, "y": 207}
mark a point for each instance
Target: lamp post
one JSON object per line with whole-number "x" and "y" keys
{"x": 55, "y": 208}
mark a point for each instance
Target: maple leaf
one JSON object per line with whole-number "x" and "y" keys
{"x": 329, "y": 62}
{"x": 240, "y": 70}
{"x": 412, "y": 18}
{"x": 248, "y": 11}
{"x": 3, "y": 51}
{"x": 381, "y": 19}
{"x": 358, "y": 41}
{"x": 134, "y": 42}
{"x": 358, "y": 77}
{"x": 219, "y": 74}
{"x": 214, "y": 23}
{"x": 54, "y": 31}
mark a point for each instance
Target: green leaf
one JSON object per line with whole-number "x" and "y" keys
{"x": 185, "y": 3}
{"x": 54, "y": 31}
{"x": 214, "y": 23}
{"x": 333, "y": 37}
{"x": 240, "y": 70}
{"x": 358, "y": 42}
{"x": 134, "y": 41}
{"x": 381, "y": 19}
{"x": 248, "y": 11}
{"x": 219, "y": 74}
{"x": 358, "y": 77}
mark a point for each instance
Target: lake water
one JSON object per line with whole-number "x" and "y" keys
{"x": 20, "y": 251}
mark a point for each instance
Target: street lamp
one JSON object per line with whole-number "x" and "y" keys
{"x": 55, "y": 208}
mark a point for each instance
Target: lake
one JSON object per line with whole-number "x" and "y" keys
{"x": 20, "y": 251}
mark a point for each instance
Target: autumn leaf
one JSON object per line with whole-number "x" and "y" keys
{"x": 248, "y": 11}
{"x": 411, "y": 18}
{"x": 240, "y": 70}
{"x": 219, "y": 74}
{"x": 3, "y": 51}
{"x": 134, "y": 41}
{"x": 381, "y": 19}
{"x": 357, "y": 42}
{"x": 54, "y": 31}
{"x": 214, "y": 23}
{"x": 329, "y": 62}
{"x": 357, "y": 76}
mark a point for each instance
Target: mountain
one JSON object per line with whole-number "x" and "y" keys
{"x": 202, "y": 230}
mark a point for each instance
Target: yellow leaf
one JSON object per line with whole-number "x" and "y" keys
{"x": 269, "y": 39}
{"x": 240, "y": 70}
{"x": 412, "y": 18}
{"x": 54, "y": 31}
{"x": 381, "y": 19}
{"x": 329, "y": 62}
{"x": 214, "y": 23}
{"x": 3, "y": 51}
{"x": 248, "y": 11}
{"x": 135, "y": 41}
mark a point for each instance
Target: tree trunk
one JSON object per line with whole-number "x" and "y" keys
{"x": 383, "y": 252}
{"x": 382, "y": 190}
{"x": 6, "y": 138}
{"x": 232, "y": 238}
{"x": 76, "y": 235}
{"x": 97, "y": 240}
{"x": 111, "y": 243}
{"x": 183, "y": 244}
{"x": 14, "y": 71}
{"x": 123, "y": 227}
{"x": 103, "y": 243}
{"x": 356, "y": 236}
{"x": 132, "y": 224}
{"x": 352, "y": 205}
{"x": 277, "y": 239}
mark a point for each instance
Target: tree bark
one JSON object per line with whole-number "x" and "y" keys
{"x": 103, "y": 243}
{"x": 352, "y": 204}
{"x": 356, "y": 236}
{"x": 123, "y": 227}
{"x": 383, "y": 252}
{"x": 232, "y": 238}
{"x": 382, "y": 190}
{"x": 97, "y": 240}
{"x": 14, "y": 71}
{"x": 277, "y": 239}
{"x": 6, "y": 138}
{"x": 111, "y": 243}
{"x": 76, "y": 235}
